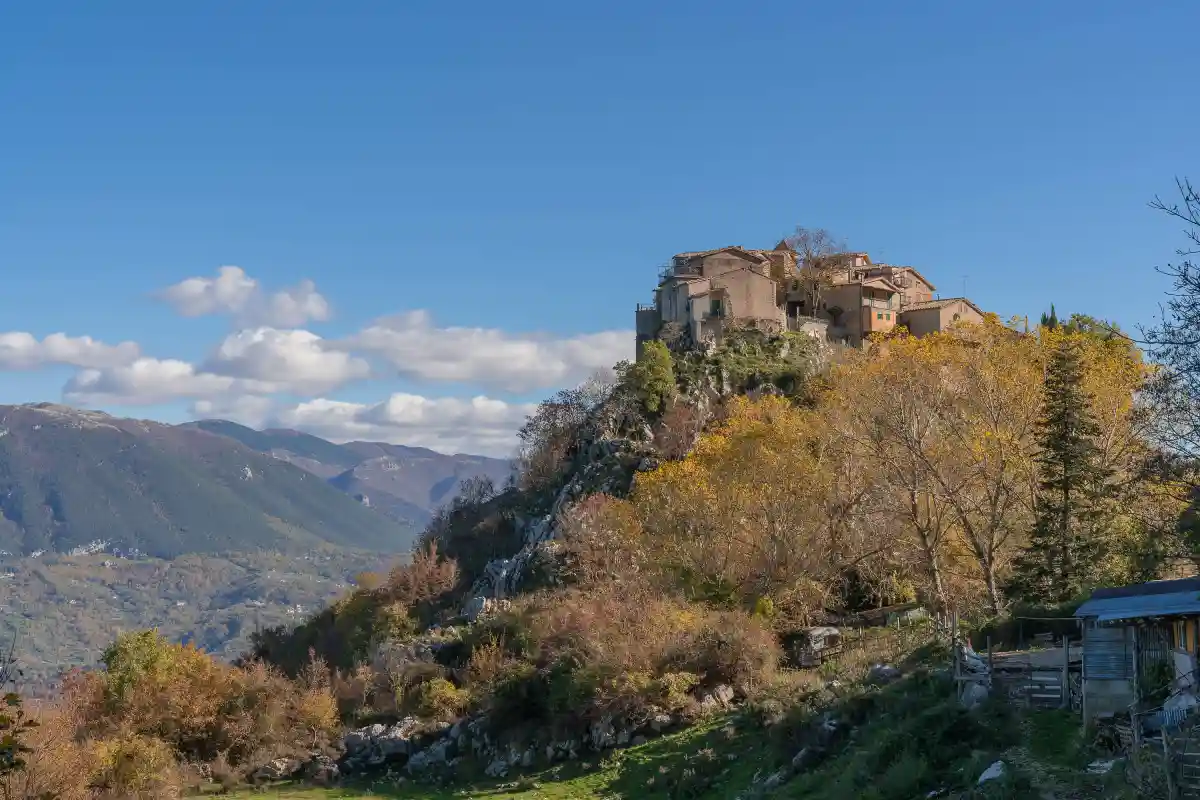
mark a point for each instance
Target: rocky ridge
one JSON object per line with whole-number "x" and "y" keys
{"x": 610, "y": 450}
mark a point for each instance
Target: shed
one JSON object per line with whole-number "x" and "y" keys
{"x": 1130, "y": 636}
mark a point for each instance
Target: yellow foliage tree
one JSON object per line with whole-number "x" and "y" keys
{"x": 764, "y": 507}
{"x": 917, "y": 464}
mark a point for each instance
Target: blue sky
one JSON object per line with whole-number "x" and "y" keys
{"x": 516, "y": 172}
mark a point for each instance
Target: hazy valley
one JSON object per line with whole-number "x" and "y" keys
{"x": 202, "y": 530}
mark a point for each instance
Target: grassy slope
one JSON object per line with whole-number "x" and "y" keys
{"x": 913, "y": 740}
{"x": 652, "y": 770}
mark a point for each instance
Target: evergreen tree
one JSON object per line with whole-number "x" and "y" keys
{"x": 1066, "y": 545}
{"x": 1050, "y": 320}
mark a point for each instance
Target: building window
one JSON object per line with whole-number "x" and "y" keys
{"x": 888, "y": 316}
{"x": 878, "y": 315}
{"x": 957, "y": 317}
{"x": 714, "y": 307}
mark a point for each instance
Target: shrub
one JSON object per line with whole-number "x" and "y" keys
{"x": 674, "y": 689}
{"x": 132, "y": 765}
{"x": 439, "y": 699}
{"x": 549, "y": 433}
{"x": 198, "y": 708}
{"x": 486, "y": 663}
{"x": 651, "y": 378}
{"x": 600, "y": 541}
{"x": 678, "y": 429}
{"x": 473, "y": 530}
{"x": 731, "y": 648}
{"x": 426, "y": 578}
{"x": 608, "y": 650}
{"x": 57, "y": 765}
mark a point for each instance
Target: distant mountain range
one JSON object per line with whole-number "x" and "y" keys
{"x": 70, "y": 478}
{"x": 405, "y": 483}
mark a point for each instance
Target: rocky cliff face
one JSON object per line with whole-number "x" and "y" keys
{"x": 610, "y": 450}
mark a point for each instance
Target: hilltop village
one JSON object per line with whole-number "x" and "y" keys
{"x": 836, "y": 297}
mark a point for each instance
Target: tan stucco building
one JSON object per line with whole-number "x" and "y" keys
{"x": 703, "y": 293}
{"x": 700, "y": 294}
{"x": 922, "y": 319}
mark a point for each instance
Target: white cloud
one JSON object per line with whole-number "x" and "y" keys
{"x": 21, "y": 351}
{"x": 148, "y": 381}
{"x": 228, "y": 293}
{"x": 296, "y": 359}
{"x": 485, "y": 356}
{"x": 249, "y": 409}
{"x": 480, "y": 425}
{"x": 234, "y": 293}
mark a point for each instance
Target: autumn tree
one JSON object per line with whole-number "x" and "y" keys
{"x": 742, "y": 518}
{"x": 889, "y": 406}
{"x": 548, "y": 433}
{"x": 1174, "y": 342}
{"x": 1066, "y": 544}
{"x": 820, "y": 257}
{"x": 990, "y": 421}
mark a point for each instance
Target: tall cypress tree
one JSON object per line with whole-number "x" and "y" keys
{"x": 1066, "y": 544}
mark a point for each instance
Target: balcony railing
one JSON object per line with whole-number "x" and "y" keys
{"x": 644, "y": 307}
{"x": 872, "y": 302}
{"x": 678, "y": 271}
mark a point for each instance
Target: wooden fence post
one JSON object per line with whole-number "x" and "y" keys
{"x": 1172, "y": 794}
{"x": 1066, "y": 674}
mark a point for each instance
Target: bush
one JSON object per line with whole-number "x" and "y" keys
{"x": 651, "y": 379}
{"x": 486, "y": 663}
{"x": 600, "y": 541}
{"x": 731, "y": 648}
{"x": 420, "y": 587}
{"x": 57, "y": 765}
{"x": 132, "y": 765}
{"x": 673, "y": 690}
{"x": 439, "y": 699}
{"x": 378, "y": 610}
{"x": 548, "y": 435}
{"x": 198, "y": 708}
{"x": 585, "y": 653}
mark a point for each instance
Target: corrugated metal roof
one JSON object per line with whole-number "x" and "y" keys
{"x": 1152, "y": 587}
{"x": 1171, "y": 604}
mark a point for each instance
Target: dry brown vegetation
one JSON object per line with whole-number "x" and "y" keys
{"x": 161, "y": 712}
{"x": 612, "y": 649}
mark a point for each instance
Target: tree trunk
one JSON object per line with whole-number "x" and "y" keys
{"x": 995, "y": 601}
{"x": 934, "y": 565}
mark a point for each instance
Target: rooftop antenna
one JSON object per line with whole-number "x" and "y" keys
{"x": 964, "y": 286}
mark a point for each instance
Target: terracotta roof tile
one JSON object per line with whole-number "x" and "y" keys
{"x": 931, "y": 304}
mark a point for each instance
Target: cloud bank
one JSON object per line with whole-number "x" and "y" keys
{"x": 269, "y": 370}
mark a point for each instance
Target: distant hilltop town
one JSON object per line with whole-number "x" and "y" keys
{"x": 837, "y": 297}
